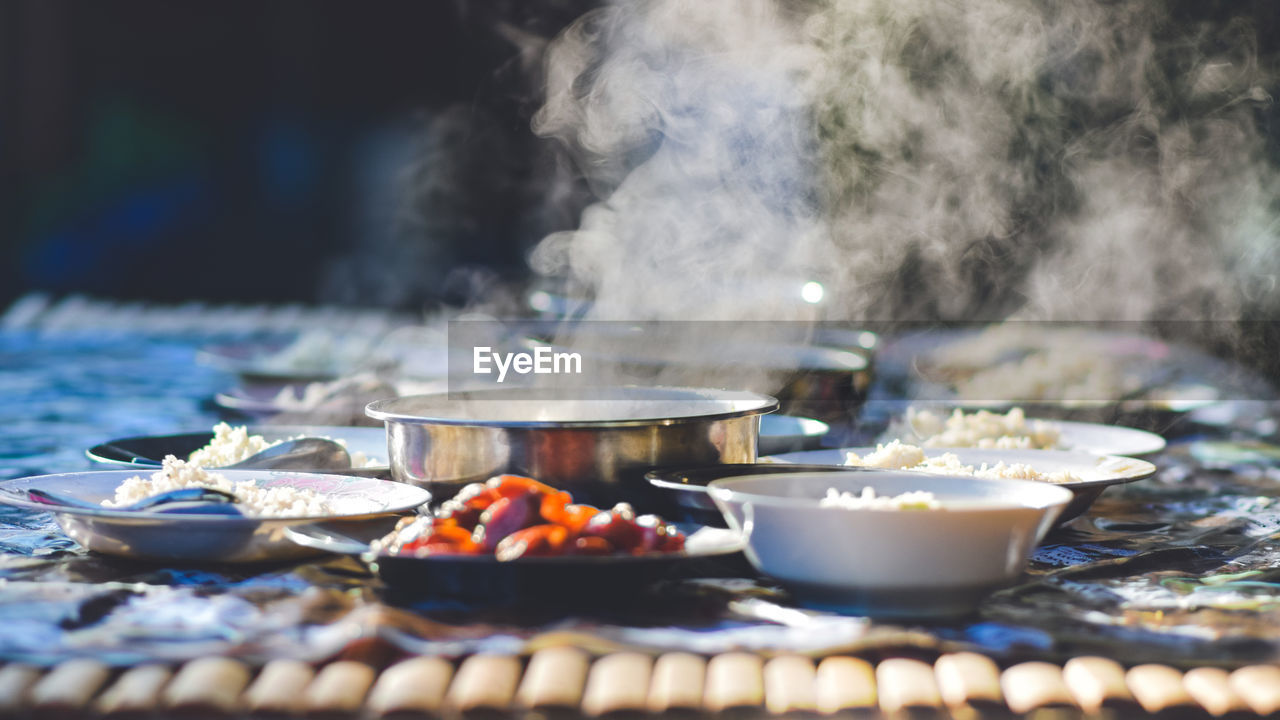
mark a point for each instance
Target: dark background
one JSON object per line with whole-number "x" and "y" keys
{"x": 315, "y": 150}
{"x": 263, "y": 151}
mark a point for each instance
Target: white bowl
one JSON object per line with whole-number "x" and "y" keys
{"x": 917, "y": 563}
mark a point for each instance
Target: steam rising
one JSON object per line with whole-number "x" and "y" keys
{"x": 694, "y": 120}
{"x": 917, "y": 159}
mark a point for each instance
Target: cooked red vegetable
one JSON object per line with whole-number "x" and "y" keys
{"x": 658, "y": 534}
{"x": 592, "y": 546}
{"x": 536, "y": 541}
{"x": 507, "y": 485}
{"x": 468, "y": 505}
{"x": 440, "y": 536}
{"x": 618, "y": 526}
{"x": 576, "y": 517}
{"x": 506, "y": 515}
{"x": 513, "y": 517}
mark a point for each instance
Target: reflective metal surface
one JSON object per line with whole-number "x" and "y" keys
{"x": 307, "y": 453}
{"x": 199, "y": 499}
{"x": 788, "y": 433}
{"x": 596, "y": 449}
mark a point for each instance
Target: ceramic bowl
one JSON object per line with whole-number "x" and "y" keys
{"x": 915, "y": 563}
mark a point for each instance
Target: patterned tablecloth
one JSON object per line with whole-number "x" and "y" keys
{"x": 1183, "y": 568}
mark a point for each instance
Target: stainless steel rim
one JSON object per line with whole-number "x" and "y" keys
{"x": 758, "y": 404}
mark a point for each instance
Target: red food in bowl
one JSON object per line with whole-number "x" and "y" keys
{"x": 514, "y": 517}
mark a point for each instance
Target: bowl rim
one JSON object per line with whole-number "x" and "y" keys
{"x": 721, "y": 490}
{"x": 385, "y": 409}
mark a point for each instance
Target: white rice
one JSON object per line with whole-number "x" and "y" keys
{"x": 230, "y": 445}
{"x": 1028, "y": 362}
{"x": 869, "y": 500}
{"x": 982, "y": 429}
{"x": 896, "y": 455}
{"x": 1045, "y": 376}
{"x": 312, "y": 395}
{"x": 254, "y": 501}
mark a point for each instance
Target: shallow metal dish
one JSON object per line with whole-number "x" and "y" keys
{"x": 597, "y": 449}
{"x": 197, "y": 538}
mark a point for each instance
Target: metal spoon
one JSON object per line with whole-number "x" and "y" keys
{"x": 322, "y": 536}
{"x": 194, "y": 500}
{"x": 308, "y": 453}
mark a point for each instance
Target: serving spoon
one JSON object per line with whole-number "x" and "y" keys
{"x": 193, "y": 500}
{"x": 305, "y": 453}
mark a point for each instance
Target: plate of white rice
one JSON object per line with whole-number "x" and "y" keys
{"x": 1013, "y": 430}
{"x": 268, "y": 501}
{"x": 1085, "y": 474}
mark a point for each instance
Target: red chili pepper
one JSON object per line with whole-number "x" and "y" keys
{"x": 576, "y": 517}
{"x": 514, "y": 516}
{"x": 618, "y": 526}
{"x": 509, "y": 485}
{"x": 553, "y": 504}
{"x": 443, "y": 534}
{"x": 592, "y": 546}
{"x": 467, "y": 505}
{"x": 439, "y": 549}
{"x": 536, "y": 541}
{"x": 658, "y": 535}
{"x": 505, "y": 516}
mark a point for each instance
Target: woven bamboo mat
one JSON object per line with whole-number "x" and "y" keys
{"x": 568, "y": 682}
